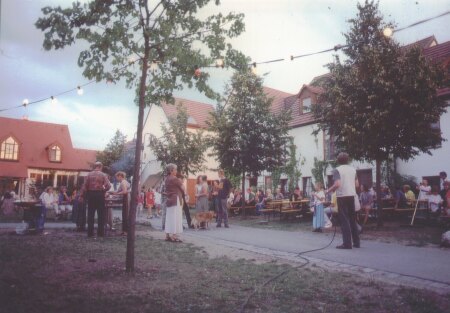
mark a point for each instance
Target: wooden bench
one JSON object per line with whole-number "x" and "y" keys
{"x": 234, "y": 209}
{"x": 271, "y": 208}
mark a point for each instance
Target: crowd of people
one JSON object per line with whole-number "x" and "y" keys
{"x": 170, "y": 200}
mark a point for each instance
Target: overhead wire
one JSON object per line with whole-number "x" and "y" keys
{"x": 254, "y": 64}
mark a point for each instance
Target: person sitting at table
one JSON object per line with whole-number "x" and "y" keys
{"x": 49, "y": 201}
{"x": 7, "y": 204}
{"x": 366, "y": 199}
{"x": 328, "y": 211}
{"x": 250, "y": 197}
{"x": 409, "y": 195}
{"x": 278, "y": 194}
{"x": 386, "y": 192}
{"x": 295, "y": 197}
{"x": 260, "y": 201}
{"x": 435, "y": 201}
{"x": 400, "y": 198}
{"x": 64, "y": 201}
{"x": 446, "y": 210}
{"x": 424, "y": 190}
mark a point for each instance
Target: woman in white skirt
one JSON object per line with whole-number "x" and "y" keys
{"x": 174, "y": 214}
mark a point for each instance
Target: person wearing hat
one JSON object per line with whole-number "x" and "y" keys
{"x": 94, "y": 189}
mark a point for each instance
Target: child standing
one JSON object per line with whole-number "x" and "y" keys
{"x": 318, "y": 199}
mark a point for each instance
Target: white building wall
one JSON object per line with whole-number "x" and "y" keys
{"x": 308, "y": 147}
{"x": 430, "y": 165}
{"x": 150, "y": 166}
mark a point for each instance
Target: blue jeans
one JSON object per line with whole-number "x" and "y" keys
{"x": 259, "y": 207}
{"x": 223, "y": 212}
{"x": 41, "y": 217}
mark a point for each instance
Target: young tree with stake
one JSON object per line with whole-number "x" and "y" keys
{"x": 156, "y": 46}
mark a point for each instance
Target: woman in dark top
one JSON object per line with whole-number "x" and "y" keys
{"x": 174, "y": 216}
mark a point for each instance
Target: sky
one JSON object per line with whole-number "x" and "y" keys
{"x": 274, "y": 29}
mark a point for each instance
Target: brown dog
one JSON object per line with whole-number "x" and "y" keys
{"x": 202, "y": 218}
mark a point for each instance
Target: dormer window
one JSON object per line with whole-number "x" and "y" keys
{"x": 54, "y": 153}
{"x": 9, "y": 149}
{"x": 191, "y": 120}
{"x": 306, "y": 105}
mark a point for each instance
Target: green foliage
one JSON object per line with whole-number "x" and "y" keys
{"x": 292, "y": 168}
{"x": 180, "y": 146}
{"x": 320, "y": 168}
{"x": 113, "y": 152}
{"x": 248, "y": 138}
{"x": 382, "y": 99}
{"x": 170, "y": 33}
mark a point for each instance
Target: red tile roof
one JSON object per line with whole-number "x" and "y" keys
{"x": 33, "y": 138}
{"x": 423, "y": 43}
{"x": 198, "y": 111}
{"x": 283, "y": 100}
{"x": 438, "y": 53}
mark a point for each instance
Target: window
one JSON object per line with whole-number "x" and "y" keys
{"x": 54, "y": 154}
{"x": 306, "y": 105}
{"x": 61, "y": 180}
{"x": 9, "y": 149}
{"x": 307, "y": 186}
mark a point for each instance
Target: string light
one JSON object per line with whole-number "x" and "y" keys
{"x": 253, "y": 69}
{"x": 154, "y": 66}
{"x": 388, "y": 32}
{"x": 220, "y": 63}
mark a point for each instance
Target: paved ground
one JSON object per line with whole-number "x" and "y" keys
{"x": 413, "y": 266}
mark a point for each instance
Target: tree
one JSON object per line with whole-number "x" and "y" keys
{"x": 382, "y": 99}
{"x": 113, "y": 151}
{"x": 168, "y": 43}
{"x": 248, "y": 137}
{"x": 180, "y": 146}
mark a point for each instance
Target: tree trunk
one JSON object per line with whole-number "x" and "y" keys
{"x": 137, "y": 163}
{"x": 243, "y": 193}
{"x": 378, "y": 189}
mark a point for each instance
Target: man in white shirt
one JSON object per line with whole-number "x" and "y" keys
{"x": 345, "y": 184}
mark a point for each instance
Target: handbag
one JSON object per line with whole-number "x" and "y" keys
{"x": 357, "y": 204}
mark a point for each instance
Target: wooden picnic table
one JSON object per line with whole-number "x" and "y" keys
{"x": 31, "y": 210}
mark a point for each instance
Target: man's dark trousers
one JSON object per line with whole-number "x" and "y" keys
{"x": 347, "y": 218}
{"x": 96, "y": 201}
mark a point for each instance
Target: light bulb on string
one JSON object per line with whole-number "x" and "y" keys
{"x": 53, "y": 100}
{"x": 131, "y": 59}
{"x": 219, "y": 63}
{"x": 25, "y": 102}
{"x": 154, "y": 66}
{"x": 290, "y": 58}
{"x": 197, "y": 71}
{"x": 253, "y": 69}
{"x": 80, "y": 91}
{"x": 388, "y": 32}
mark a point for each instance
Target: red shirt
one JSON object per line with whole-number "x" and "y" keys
{"x": 150, "y": 198}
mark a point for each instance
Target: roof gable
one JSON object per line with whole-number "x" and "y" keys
{"x": 35, "y": 139}
{"x": 198, "y": 112}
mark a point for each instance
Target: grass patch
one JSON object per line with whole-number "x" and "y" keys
{"x": 67, "y": 272}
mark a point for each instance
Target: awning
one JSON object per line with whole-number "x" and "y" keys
{"x": 152, "y": 180}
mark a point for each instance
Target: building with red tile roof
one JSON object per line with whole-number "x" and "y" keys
{"x": 198, "y": 113}
{"x": 39, "y": 151}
